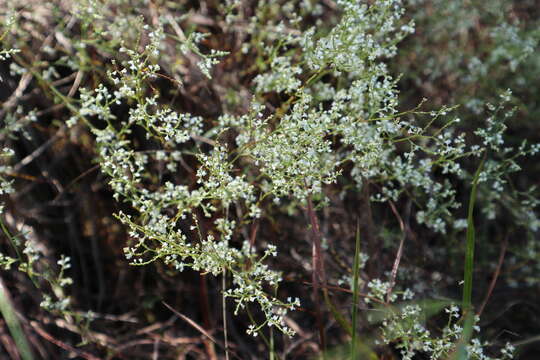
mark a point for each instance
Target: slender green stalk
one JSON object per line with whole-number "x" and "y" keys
{"x": 335, "y": 312}
{"x": 259, "y": 332}
{"x": 356, "y": 270}
{"x": 10, "y": 238}
{"x": 8, "y": 312}
{"x": 461, "y": 353}
{"x": 461, "y": 348}
{"x": 469, "y": 253}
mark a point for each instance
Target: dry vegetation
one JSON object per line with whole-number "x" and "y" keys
{"x": 211, "y": 180}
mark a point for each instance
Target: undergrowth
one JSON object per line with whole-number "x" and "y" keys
{"x": 299, "y": 151}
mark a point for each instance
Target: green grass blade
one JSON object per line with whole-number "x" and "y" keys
{"x": 469, "y": 252}
{"x": 335, "y": 313}
{"x": 460, "y": 352}
{"x": 8, "y": 312}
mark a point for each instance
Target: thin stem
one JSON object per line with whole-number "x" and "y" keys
{"x": 224, "y": 308}
{"x": 495, "y": 276}
{"x": 356, "y": 271}
{"x": 317, "y": 275}
{"x": 469, "y": 254}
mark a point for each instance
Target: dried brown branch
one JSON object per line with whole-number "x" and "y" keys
{"x": 495, "y": 276}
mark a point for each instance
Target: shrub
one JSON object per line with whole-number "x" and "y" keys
{"x": 220, "y": 127}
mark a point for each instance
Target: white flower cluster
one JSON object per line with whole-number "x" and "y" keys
{"x": 207, "y": 61}
{"x": 513, "y": 47}
{"x": 341, "y": 115}
{"x": 378, "y": 290}
{"x": 163, "y": 208}
{"x": 297, "y": 156}
{"x": 405, "y": 328}
{"x": 9, "y": 21}
{"x": 282, "y": 78}
{"x": 7, "y": 53}
{"x": 5, "y": 184}
{"x": 248, "y": 290}
{"x": 13, "y": 123}
{"x": 215, "y": 177}
{"x": 498, "y": 168}
{"x": 364, "y": 34}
